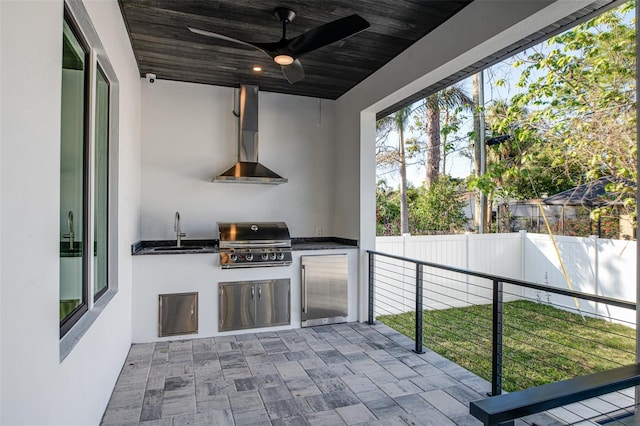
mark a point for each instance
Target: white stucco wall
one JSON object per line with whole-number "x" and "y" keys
{"x": 189, "y": 135}
{"x": 36, "y": 387}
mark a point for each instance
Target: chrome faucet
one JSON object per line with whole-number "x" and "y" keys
{"x": 176, "y": 227}
{"x": 70, "y": 235}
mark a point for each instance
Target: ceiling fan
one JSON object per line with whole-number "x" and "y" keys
{"x": 287, "y": 51}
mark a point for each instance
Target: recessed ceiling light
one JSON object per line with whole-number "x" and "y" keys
{"x": 257, "y": 68}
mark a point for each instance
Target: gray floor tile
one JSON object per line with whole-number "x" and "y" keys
{"x": 217, "y": 402}
{"x": 399, "y": 388}
{"x": 162, "y": 422}
{"x": 462, "y": 393}
{"x": 205, "y": 390}
{"x": 287, "y": 408}
{"x": 245, "y": 401}
{"x": 216, "y": 417}
{"x": 444, "y": 403}
{"x": 275, "y": 393}
{"x": 331, "y": 385}
{"x": 290, "y": 421}
{"x": 359, "y": 383}
{"x": 290, "y": 370}
{"x": 313, "y": 363}
{"x": 301, "y": 387}
{"x": 325, "y": 418}
{"x": 332, "y": 357}
{"x": 384, "y": 407}
{"x": 121, "y": 416}
{"x": 152, "y": 405}
{"x": 251, "y": 418}
{"x": 431, "y": 417}
{"x": 355, "y": 414}
{"x": 330, "y": 401}
{"x": 236, "y": 373}
{"x": 329, "y": 375}
{"x": 412, "y": 403}
{"x": 178, "y": 405}
{"x": 322, "y": 373}
{"x": 389, "y": 421}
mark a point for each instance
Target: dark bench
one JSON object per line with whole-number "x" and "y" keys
{"x": 503, "y": 409}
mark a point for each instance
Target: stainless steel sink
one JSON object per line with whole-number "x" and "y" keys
{"x": 174, "y": 248}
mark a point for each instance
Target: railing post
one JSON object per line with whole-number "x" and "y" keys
{"x": 371, "y": 288}
{"x": 419, "y": 282}
{"x": 496, "y": 355}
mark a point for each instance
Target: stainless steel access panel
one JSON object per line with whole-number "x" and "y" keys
{"x": 251, "y": 304}
{"x": 324, "y": 289}
{"x": 178, "y": 314}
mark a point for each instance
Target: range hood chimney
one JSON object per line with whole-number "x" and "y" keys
{"x": 247, "y": 169}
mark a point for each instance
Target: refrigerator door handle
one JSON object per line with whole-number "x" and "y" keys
{"x": 304, "y": 289}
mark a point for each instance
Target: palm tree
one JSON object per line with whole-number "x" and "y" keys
{"x": 397, "y": 122}
{"x": 450, "y": 98}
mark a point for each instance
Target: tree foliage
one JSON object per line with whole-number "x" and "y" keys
{"x": 441, "y": 118}
{"x": 387, "y": 156}
{"x": 436, "y": 209}
{"x": 574, "y": 119}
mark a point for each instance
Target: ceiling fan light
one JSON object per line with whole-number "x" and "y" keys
{"x": 283, "y": 60}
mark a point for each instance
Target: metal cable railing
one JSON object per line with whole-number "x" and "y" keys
{"x": 514, "y": 333}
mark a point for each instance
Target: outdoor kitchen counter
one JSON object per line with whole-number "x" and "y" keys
{"x": 198, "y": 272}
{"x": 153, "y": 247}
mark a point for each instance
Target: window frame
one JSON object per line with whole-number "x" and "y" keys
{"x": 98, "y": 294}
{"x": 80, "y": 322}
{"x": 70, "y": 320}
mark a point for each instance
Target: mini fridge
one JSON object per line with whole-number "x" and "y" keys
{"x": 324, "y": 289}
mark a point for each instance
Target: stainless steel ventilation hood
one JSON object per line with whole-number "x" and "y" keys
{"x": 247, "y": 169}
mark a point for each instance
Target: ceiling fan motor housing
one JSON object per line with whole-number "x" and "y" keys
{"x": 283, "y": 14}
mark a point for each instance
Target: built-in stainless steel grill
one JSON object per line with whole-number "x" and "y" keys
{"x": 254, "y": 244}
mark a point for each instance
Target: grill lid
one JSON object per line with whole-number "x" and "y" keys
{"x": 244, "y": 234}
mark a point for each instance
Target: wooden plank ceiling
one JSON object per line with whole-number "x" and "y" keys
{"x": 164, "y": 46}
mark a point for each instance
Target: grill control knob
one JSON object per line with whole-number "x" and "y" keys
{"x": 233, "y": 257}
{"x": 280, "y": 256}
{"x": 249, "y": 257}
{"x": 264, "y": 256}
{"x": 272, "y": 256}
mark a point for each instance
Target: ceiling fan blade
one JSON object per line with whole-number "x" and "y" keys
{"x": 232, "y": 40}
{"x": 326, "y": 34}
{"x": 293, "y": 72}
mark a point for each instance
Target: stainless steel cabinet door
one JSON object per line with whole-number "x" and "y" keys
{"x": 237, "y": 307}
{"x": 178, "y": 314}
{"x": 273, "y": 303}
{"x": 249, "y": 304}
{"x": 324, "y": 288}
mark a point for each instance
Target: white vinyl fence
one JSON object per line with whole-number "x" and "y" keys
{"x": 594, "y": 265}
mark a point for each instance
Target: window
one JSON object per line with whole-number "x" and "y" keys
{"x": 73, "y": 171}
{"x": 101, "y": 187}
{"x": 87, "y": 176}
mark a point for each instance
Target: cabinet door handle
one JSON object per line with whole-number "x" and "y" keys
{"x": 221, "y": 305}
{"x": 253, "y": 292}
{"x": 304, "y": 289}
{"x": 259, "y": 292}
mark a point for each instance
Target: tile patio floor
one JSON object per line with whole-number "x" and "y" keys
{"x": 329, "y": 375}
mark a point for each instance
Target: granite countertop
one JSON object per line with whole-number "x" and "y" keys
{"x": 322, "y": 243}
{"x": 152, "y": 247}
{"x": 169, "y": 247}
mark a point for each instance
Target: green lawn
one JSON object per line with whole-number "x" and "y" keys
{"x": 541, "y": 344}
